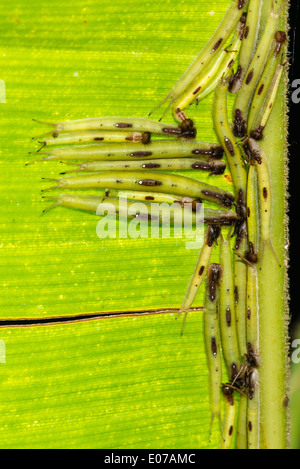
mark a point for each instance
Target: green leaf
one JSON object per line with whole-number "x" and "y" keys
{"x": 127, "y": 382}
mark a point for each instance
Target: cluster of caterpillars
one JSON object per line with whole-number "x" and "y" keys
{"x": 119, "y": 156}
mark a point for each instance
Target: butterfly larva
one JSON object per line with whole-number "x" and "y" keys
{"x": 252, "y": 309}
{"x": 91, "y": 136}
{"x": 204, "y": 163}
{"x": 253, "y": 426}
{"x": 253, "y": 74}
{"x": 252, "y": 214}
{"x": 226, "y": 66}
{"x": 136, "y": 180}
{"x": 240, "y": 277}
{"x": 252, "y": 312}
{"x": 267, "y": 86}
{"x": 239, "y": 178}
{"x": 227, "y": 316}
{"x": 212, "y": 340}
{"x": 259, "y": 160}
{"x": 249, "y": 43}
{"x": 240, "y": 271}
{"x": 152, "y": 197}
{"x": 211, "y": 236}
{"x": 192, "y": 92}
{"x": 210, "y": 50}
{"x": 241, "y": 426}
{"x": 133, "y": 151}
{"x": 211, "y": 216}
{"x": 229, "y": 421}
{"x": 227, "y": 139}
{"x": 123, "y": 124}
{"x": 260, "y": 125}
{"x": 252, "y": 286}
{"x": 247, "y": 384}
{"x": 222, "y": 65}
{"x": 124, "y": 209}
{"x": 121, "y": 207}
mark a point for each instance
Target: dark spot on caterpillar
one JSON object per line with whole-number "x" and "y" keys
{"x": 250, "y": 426}
{"x": 119, "y": 181}
{"x": 240, "y": 125}
{"x": 151, "y": 165}
{"x": 280, "y": 36}
{"x": 195, "y": 204}
{"x": 236, "y": 294}
{"x": 228, "y": 317}
{"x": 54, "y": 134}
{"x": 249, "y": 77}
{"x": 271, "y": 105}
{"x": 247, "y": 29}
{"x": 197, "y": 90}
{"x": 205, "y": 166}
{"x": 241, "y": 206}
{"x": 286, "y": 401}
{"x": 149, "y": 197}
{"x": 220, "y": 221}
{"x": 217, "y": 170}
{"x": 248, "y": 212}
{"x": 229, "y": 146}
{"x": 212, "y": 235}
{"x": 214, "y": 274}
{"x": 251, "y": 255}
{"x": 217, "y": 152}
{"x": 188, "y": 130}
{"x": 265, "y": 193}
{"x": 187, "y": 124}
{"x": 252, "y": 357}
{"x": 201, "y": 270}
{"x": 129, "y": 138}
{"x": 252, "y": 153}
{"x": 243, "y": 26}
{"x": 230, "y": 63}
{"x": 190, "y": 134}
{"x": 150, "y": 182}
{"x": 214, "y": 347}
{"x": 230, "y": 430}
{"x": 98, "y": 139}
{"x": 249, "y": 313}
{"x": 241, "y": 232}
{"x": 200, "y": 151}
{"x": 123, "y": 126}
{"x": 234, "y": 371}
{"x": 172, "y": 131}
{"x": 241, "y": 4}
{"x": 225, "y": 198}
{"x": 235, "y": 78}
{"x": 141, "y": 153}
{"x": 146, "y": 137}
{"x": 261, "y": 89}
{"x": 228, "y": 391}
{"x": 217, "y": 44}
